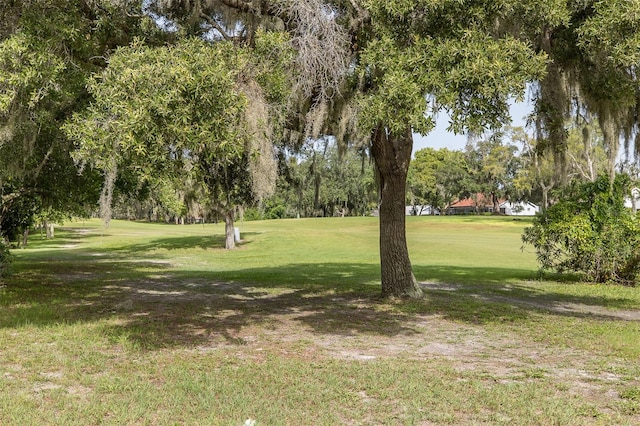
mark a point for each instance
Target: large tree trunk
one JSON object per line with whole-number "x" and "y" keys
{"x": 392, "y": 154}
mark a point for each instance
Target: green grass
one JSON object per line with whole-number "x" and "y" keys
{"x": 156, "y": 324}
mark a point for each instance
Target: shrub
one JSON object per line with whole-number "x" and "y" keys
{"x": 276, "y": 212}
{"x": 272, "y": 209}
{"x": 252, "y": 213}
{"x": 591, "y": 232}
{"x": 5, "y": 259}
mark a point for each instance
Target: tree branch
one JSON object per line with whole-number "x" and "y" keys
{"x": 216, "y": 26}
{"x": 362, "y": 17}
{"x": 133, "y": 15}
{"x": 240, "y": 5}
{"x": 43, "y": 162}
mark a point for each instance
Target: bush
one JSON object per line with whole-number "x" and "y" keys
{"x": 5, "y": 259}
{"x": 276, "y": 212}
{"x": 252, "y": 213}
{"x": 272, "y": 209}
{"x": 591, "y": 232}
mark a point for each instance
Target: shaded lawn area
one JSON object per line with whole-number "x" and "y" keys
{"x": 153, "y": 324}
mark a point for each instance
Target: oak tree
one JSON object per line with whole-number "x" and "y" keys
{"x": 182, "y": 112}
{"x": 376, "y": 71}
{"x": 48, "y": 48}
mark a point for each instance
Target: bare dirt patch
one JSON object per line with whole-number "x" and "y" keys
{"x": 202, "y": 315}
{"x": 163, "y": 310}
{"x": 573, "y": 308}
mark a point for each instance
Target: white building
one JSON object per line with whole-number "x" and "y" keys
{"x": 633, "y": 202}
{"x": 520, "y": 208}
{"x": 419, "y": 210}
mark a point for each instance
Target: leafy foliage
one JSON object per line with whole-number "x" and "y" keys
{"x": 193, "y": 112}
{"x": 593, "y": 65}
{"x": 5, "y": 259}
{"x": 493, "y": 164}
{"x": 591, "y": 232}
{"x": 321, "y": 181}
{"x": 48, "y": 50}
{"x": 437, "y": 177}
{"x": 426, "y": 56}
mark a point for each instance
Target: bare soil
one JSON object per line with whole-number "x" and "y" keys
{"x": 200, "y": 315}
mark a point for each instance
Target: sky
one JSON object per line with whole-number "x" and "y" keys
{"x": 440, "y": 138}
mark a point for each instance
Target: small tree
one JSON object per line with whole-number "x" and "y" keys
{"x": 5, "y": 259}
{"x": 191, "y": 112}
{"x": 591, "y": 232}
{"x": 493, "y": 165}
{"x": 438, "y": 177}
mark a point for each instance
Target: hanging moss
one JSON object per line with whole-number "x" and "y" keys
{"x": 592, "y": 68}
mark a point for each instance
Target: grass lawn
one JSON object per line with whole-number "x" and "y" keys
{"x": 155, "y": 324}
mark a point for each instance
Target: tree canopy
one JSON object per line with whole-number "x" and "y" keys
{"x": 593, "y": 50}
{"x": 229, "y": 80}
{"x": 438, "y": 177}
{"x": 48, "y": 50}
{"x": 182, "y": 112}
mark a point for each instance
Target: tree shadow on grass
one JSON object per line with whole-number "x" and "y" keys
{"x": 67, "y": 237}
{"x": 156, "y": 306}
{"x": 482, "y": 295}
{"x": 63, "y": 238}
{"x": 205, "y": 242}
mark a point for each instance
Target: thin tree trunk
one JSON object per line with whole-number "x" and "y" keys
{"x": 49, "y": 229}
{"x": 392, "y": 154}
{"x": 229, "y": 240}
{"x": 545, "y": 193}
{"x": 545, "y": 197}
